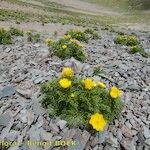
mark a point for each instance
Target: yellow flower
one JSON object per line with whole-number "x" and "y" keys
{"x": 80, "y": 45}
{"x": 74, "y": 41}
{"x": 49, "y": 41}
{"x": 67, "y": 36}
{"x": 101, "y": 85}
{"x": 115, "y": 92}
{"x": 89, "y": 84}
{"x": 98, "y": 122}
{"x": 65, "y": 83}
{"x": 64, "y": 46}
{"x": 67, "y": 72}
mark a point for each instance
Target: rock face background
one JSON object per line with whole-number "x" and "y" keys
{"x": 24, "y": 66}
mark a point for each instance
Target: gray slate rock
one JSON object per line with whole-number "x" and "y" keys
{"x": 147, "y": 141}
{"x": 102, "y": 136}
{"x": 7, "y": 91}
{"x": 30, "y": 117}
{"x": 62, "y": 124}
{"x": 23, "y": 116}
{"x": 146, "y": 132}
{"x": 47, "y": 136}
{"x": 14, "y": 148}
{"x": 38, "y": 80}
{"x": 4, "y": 119}
{"x": 113, "y": 141}
{"x": 81, "y": 140}
{"x": 75, "y": 64}
{"x": 25, "y": 93}
{"x": 128, "y": 144}
{"x": 34, "y": 133}
{"x": 12, "y": 135}
{"x": 38, "y": 109}
{"x": 6, "y": 130}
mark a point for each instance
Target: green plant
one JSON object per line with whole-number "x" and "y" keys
{"x": 33, "y": 37}
{"x": 138, "y": 49}
{"x": 91, "y": 33}
{"x": 120, "y": 39}
{"x": 15, "y": 32}
{"x": 5, "y": 37}
{"x": 132, "y": 40}
{"x": 67, "y": 48}
{"x": 78, "y": 35}
{"x": 129, "y": 40}
{"x": 97, "y": 70}
{"x": 75, "y": 99}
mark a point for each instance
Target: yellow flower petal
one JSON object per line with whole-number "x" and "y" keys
{"x": 115, "y": 92}
{"x": 49, "y": 41}
{"x": 64, "y": 46}
{"x": 89, "y": 84}
{"x": 98, "y": 122}
{"x": 67, "y": 72}
{"x": 65, "y": 83}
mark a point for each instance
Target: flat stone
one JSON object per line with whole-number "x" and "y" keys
{"x": 102, "y": 136}
{"x": 112, "y": 140}
{"x": 146, "y": 132}
{"x": 6, "y": 130}
{"x": 30, "y": 117}
{"x": 47, "y": 136}
{"x": 20, "y": 78}
{"x": 75, "y": 64}
{"x": 5, "y": 107}
{"x": 96, "y": 148}
{"x": 2, "y": 80}
{"x": 24, "y": 147}
{"x": 4, "y": 119}
{"x": 147, "y": 141}
{"x": 69, "y": 134}
{"x": 94, "y": 141}
{"x": 25, "y": 93}
{"x": 14, "y": 148}
{"x": 12, "y": 135}
{"x": 38, "y": 80}
{"x": 81, "y": 140}
{"x": 141, "y": 138}
{"x": 34, "y": 133}
{"x": 2, "y": 68}
{"x": 147, "y": 51}
{"x": 23, "y": 116}
{"x": 43, "y": 54}
{"x": 107, "y": 147}
{"x": 62, "y": 124}
{"x": 54, "y": 127}
{"x": 40, "y": 122}
{"x": 119, "y": 135}
{"x": 8, "y": 49}
{"x": 126, "y": 132}
{"x": 7, "y": 91}
{"x": 36, "y": 45}
{"x": 56, "y": 138}
{"x": 38, "y": 110}
{"x": 133, "y": 87}
{"x": 128, "y": 144}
